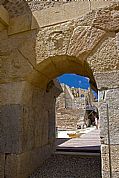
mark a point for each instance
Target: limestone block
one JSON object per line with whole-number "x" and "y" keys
{"x": 111, "y": 97}
{"x": 105, "y": 174}
{"x": 53, "y": 40}
{"x": 34, "y": 24}
{"x": 3, "y": 34}
{"x": 16, "y": 93}
{"x": 9, "y": 128}
{"x": 51, "y": 124}
{"x": 34, "y": 127}
{"x": 108, "y": 18}
{"x": 20, "y": 24}
{"x": 85, "y": 20}
{"x": 48, "y": 68}
{"x": 38, "y": 79}
{"x": 83, "y": 40}
{"x": 2, "y": 27}
{"x": 2, "y": 165}
{"x": 22, "y": 165}
{"x": 115, "y": 174}
{"x": 23, "y": 43}
{"x": 70, "y": 64}
{"x": 62, "y": 13}
{"x": 117, "y": 42}
{"x": 14, "y": 67}
{"x": 4, "y": 16}
{"x": 105, "y": 57}
{"x": 103, "y": 120}
{"x": 109, "y": 79}
{"x": 114, "y": 158}
{"x": 59, "y": 12}
{"x": 24, "y": 116}
{"x": 34, "y": 121}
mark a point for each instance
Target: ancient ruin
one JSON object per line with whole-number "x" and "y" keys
{"x": 71, "y": 107}
{"x": 79, "y": 37}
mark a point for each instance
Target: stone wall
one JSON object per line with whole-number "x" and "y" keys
{"x": 33, "y": 51}
{"x": 66, "y": 119}
{"x": 110, "y": 132}
{"x": 29, "y": 137}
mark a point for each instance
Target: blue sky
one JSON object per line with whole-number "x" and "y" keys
{"x": 76, "y": 81}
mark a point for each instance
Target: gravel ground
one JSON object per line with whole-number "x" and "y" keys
{"x": 70, "y": 166}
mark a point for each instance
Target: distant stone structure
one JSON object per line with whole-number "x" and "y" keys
{"x": 71, "y": 107}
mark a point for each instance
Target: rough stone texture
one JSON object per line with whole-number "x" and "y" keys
{"x": 10, "y": 128}
{"x": 16, "y": 60}
{"x": 107, "y": 51}
{"x": 60, "y": 14}
{"x": 4, "y": 16}
{"x": 53, "y": 40}
{"x": 28, "y": 116}
{"x": 22, "y": 165}
{"x": 114, "y": 149}
{"x": 67, "y": 118}
{"x": 16, "y": 7}
{"x": 84, "y": 39}
{"x": 12, "y": 93}
{"x": 107, "y": 80}
{"x": 112, "y": 99}
{"x": 107, "y": 20}
{"x": 23, "y": 56}
{"x": 2, "y": 164}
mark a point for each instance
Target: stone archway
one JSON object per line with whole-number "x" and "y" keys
{"x": 88, "y": 46}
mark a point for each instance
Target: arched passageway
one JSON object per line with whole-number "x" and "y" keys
{"x": 87, "y": 46}
{"x": 55, "y": 66}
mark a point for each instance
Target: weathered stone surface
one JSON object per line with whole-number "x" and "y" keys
{"x": 15, "y": 93}
{"x": 111, "y": 123}
{"x": 105, "y": 57}
{"x": 22, "y": 23}
{"x": 2, "y": 165}
{"x": 83, "y": 40}
{"x": 117, "y": 42}
{"x": 9, "y": 128}
{"x": 28, "y": 109}
{"x": 53, "y": 41}
{"x": 38, "y": 79}
{"x": 3, "y": 34}
{"x": 54, "y": 12}
{"x": 14, "y": 67}
{"x": 17, "y": 60}
{"x": 107, "y": 19}
{"x": 4, "y": 16}
{"x": 114, "y": 149}
{"x": 86, "y": 20}
{"x": 108, "y": 79}
{"x": 22, "y": 165}
{"x": 25, "y": 112}
{"x": 16, "y": 7}
{"x": 50, "y": 72}
{"x": 105, "y": 174}
{"x": 2, "y": 27}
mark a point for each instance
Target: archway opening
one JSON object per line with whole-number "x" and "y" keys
{"x": 77, "y": 118}
{"x": 44, "y": 79}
